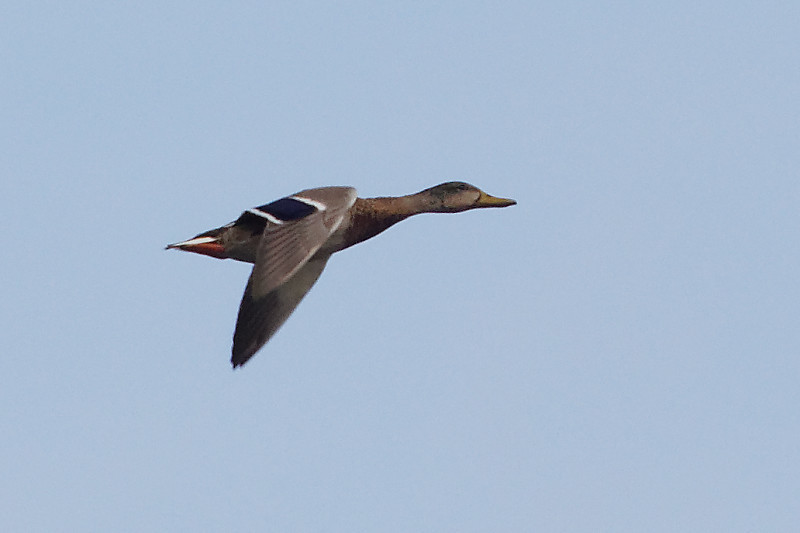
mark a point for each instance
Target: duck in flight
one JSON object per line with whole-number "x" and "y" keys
{"x": 290, "y": 240}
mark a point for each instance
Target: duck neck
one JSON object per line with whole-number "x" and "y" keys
{"x": 371, "y": 216}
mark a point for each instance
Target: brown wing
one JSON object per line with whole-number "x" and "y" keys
{"x": 290, "y": 240}
{"x": 260, "y": 318}
{"x": 297, "y": 227}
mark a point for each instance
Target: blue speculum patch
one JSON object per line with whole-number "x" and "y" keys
{"x": 287, "y": 209}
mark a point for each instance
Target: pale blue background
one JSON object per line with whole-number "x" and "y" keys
{"x": 618, "y": 352}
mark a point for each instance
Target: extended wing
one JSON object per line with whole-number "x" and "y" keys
{"x": 295, "y": 229}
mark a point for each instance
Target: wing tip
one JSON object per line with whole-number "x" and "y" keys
{"x": 238, "y": 361}
{"x": 240, "y": 357}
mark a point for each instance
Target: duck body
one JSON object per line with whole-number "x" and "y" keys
{"x": 290, "y": 240}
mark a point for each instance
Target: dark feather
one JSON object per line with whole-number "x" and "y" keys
{"x": 260, "y": 317}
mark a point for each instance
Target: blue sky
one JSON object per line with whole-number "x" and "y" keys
{"x": 618, "y": 352}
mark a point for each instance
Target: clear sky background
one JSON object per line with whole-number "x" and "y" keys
{"x": 618, "y": 352}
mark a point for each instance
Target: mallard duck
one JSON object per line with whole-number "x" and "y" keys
{"x": 290, "y": 240}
